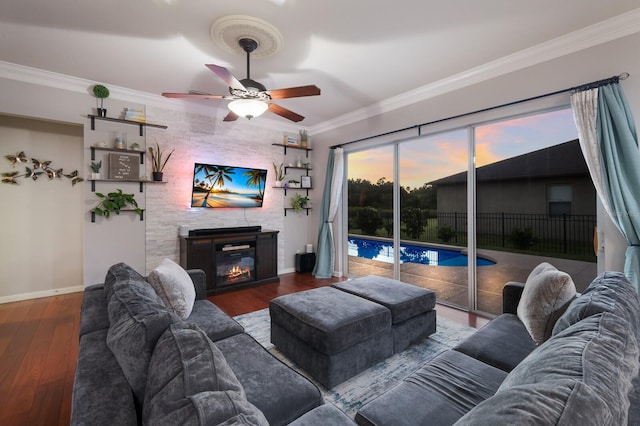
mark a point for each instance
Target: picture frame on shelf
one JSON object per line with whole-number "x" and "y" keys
{"x": 305, "y": 181}
{"x": 290, "y": 140}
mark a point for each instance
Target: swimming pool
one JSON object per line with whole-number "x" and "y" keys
{"x": 383, "y": 252}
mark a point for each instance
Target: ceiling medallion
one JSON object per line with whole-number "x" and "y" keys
{"x": 228, "y": 30}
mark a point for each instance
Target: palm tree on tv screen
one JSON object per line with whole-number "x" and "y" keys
{"x": 215, "y": 175}
{"x": 257, "y": 178}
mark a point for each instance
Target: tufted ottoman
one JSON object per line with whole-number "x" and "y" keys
{"x": 413, "y": 316}
{"x": 331, "y": 334}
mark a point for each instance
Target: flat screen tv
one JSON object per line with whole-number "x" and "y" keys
{"x": 227, "y": 186}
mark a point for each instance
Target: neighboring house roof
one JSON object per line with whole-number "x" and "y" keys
{"x": 561, "y": 160}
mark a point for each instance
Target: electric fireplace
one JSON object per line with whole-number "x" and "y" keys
{"x": 235, "y": 265}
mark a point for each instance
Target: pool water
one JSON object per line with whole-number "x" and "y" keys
{"x": 383, "y": 252}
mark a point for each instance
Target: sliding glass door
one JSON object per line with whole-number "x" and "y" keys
{"x": 535, "y": 202}
{"x": 432, "y": 214}
{"x": 410, "y": 216}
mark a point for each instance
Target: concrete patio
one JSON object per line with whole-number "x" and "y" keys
{"x": 451, "y": 283}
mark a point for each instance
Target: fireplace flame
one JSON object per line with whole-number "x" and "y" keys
{"x": 238, "y": 272}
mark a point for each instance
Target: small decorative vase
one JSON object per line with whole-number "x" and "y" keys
{"x": 279, "y": 183}
{"x": 119, "y": 143}
{"x": 102, "y": 112}
{"x": 157, "y": 176}
{"x": 95, "y": 176}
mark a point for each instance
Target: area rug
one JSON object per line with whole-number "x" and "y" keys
{"x": 349, "y": 396}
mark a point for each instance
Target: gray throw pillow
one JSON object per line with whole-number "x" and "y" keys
{"x": 599, "y": 351}
{"x": 609, "y": 292}
{"x": 546, "y": 294}
{"x": 118, "y": 273}
{"x": 190, "y": 382}
{"x": 137, "y": 319}
{"x": 174, "y": 286}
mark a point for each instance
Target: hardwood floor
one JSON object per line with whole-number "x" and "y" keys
{"x": 39, "y": 346}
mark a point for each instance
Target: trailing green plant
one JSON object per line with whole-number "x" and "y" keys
{"x": 279, "y": 171}
{"x": 114, "y": 202}
{"x": 158, "y": 161}
{"x": 95, "y": 167}
{"x": 298, "y": 202}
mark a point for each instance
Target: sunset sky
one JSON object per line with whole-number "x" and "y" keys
{"x": 438, "y": 156}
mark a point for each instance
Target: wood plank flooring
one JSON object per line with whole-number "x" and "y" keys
{"x": 39, "y": 346}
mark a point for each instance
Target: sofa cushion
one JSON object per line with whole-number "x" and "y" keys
{"x": 439, "y": 393}
{"x": 94, "y": 310}
{"x": 138, "y": 318}
{"x": 190, "y": 382}
{"x": 101, "y": 393}
{"x": 563, "y": 402}
{"x": 279, "y": 392}
{"x": 120, "y": 272}
{"x": 174, "y": 286}
{"x": 546, "y": 294}
{"x": 599, "y": 351}
{"x": 503, "y": 343}
{"x": 323, "y": 415}
{"x": 609, "y": 292}
{"x": 213, "y": 321}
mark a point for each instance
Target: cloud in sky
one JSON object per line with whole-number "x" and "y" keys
{"x": 437, "y": 156}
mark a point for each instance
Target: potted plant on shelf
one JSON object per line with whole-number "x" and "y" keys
{"x": 293, "y": 183}
{"x": 114, "y": 202}
{"x": 298, "y": 202}
{"x": 158, "y": 161}
{"x": 280, "y": 175}
{"x": 101, "y": 92}
{"x": 95, "y": 169}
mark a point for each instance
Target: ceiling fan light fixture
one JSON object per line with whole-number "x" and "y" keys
{"x": 248, "y": 108}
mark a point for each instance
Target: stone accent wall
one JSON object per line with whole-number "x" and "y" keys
{"x": 203, "y": 139}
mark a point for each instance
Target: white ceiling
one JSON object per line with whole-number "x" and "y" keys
{"x": 360, "y": 53}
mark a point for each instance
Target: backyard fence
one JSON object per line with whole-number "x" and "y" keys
{"x": 569, "y": 236}
{"x": 539, "y": 233}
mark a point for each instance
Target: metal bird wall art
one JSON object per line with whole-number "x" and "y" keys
{"x": 37, "y": 169}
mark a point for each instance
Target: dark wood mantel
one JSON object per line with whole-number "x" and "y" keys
{"x": 201, "y": 252}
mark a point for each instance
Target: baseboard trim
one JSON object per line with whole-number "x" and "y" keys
{"x": 39, "y": 294}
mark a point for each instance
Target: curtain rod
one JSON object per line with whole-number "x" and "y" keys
{"x": 588, "y": 86}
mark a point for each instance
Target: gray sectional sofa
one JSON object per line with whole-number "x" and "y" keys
{"x": 580, "y": 375}
{"x": 140, "y": 363}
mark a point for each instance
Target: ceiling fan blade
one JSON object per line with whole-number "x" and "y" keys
{"x": 286, "y": 113}
{"x": 228, "y": 78}
{"x": 294, "y": 92}
{"x": 192, "y": 96}
{"x": 232, "y": 116}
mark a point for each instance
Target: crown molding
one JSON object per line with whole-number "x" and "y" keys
{"x": 593, "y": 35}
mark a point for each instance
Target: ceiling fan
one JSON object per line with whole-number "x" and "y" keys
{"x": 250, "y": 98}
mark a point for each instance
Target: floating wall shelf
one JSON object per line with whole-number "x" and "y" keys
{"x": 119, "y": 120}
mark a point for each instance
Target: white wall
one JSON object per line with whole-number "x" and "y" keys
{"x": 41, "y": 232}
{"x": 196, "y": 138}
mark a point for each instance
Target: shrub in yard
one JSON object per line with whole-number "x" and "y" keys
{"x": 522, "y": 238}
{"x": 369, "y": 220}
{"x": 413, "y": 221}
{"x": 446, "y": 233}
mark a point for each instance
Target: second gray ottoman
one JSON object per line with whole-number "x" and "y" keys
{"x": 412, "y": 308}
{"x": 331, "y": 334}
